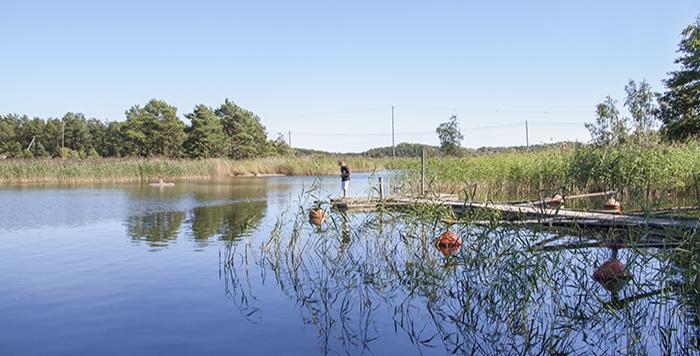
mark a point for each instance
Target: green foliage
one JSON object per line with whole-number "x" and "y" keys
{"x": 612, "y": 129}
{"x": 9, "y": 136}
{"x": 205, "y": 136}
{"x": 638, "y": 171}
{"x": 154, "y": 130}
{"x": 77, "y": 135}
{"x": 680, "y": 104}
{"x": 248, "y": 136}
{"x": 115, "y": 145}
{"x": 450, "y": 136}
{"x": 402, "y": 150}
{"x": 641, "y": 103}
{"x": 609, "y": 127}
{"x": 51, "y": 137}
{"x": 280, "y": 147}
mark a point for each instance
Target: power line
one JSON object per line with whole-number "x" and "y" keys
{"x": 331, "y": 113}
{"x": 414, "y": 133}
{"x": 481, "y": 110}
{"x": 512, "y": 111}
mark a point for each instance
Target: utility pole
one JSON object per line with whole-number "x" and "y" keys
{"x": 290, "y": 138}
{"x": 527, "y": 136}
{"x": 393, "y": 147}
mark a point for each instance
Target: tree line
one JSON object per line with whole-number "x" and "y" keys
{"x": 152, "y": 130}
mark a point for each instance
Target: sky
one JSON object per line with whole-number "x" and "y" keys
{"x": 330, "y": 71}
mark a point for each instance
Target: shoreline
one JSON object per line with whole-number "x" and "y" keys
{"x": 105, "y": 171}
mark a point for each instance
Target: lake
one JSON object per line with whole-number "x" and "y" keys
{"x": 233, "y": 266}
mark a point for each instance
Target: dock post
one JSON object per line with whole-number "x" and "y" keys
{"x": 381, "y": 189}
{"x": 422, "y": 171}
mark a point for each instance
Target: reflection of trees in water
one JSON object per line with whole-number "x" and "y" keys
{"x": 493, "y": 297}
{"x": 228, "y": 221}
{"x": 156, "y": 228}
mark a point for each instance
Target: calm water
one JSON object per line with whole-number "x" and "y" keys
{"x": 234, "y": 267}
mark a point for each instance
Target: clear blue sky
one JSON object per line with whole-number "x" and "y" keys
{"x": 492, "y": 63}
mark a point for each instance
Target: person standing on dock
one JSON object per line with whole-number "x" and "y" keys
{"x": 344, "y": 178}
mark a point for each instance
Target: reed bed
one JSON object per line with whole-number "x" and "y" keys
{"x": 310, "y": 165}
{"x": 639, "y": 173}
{"x": 127, "y": 170}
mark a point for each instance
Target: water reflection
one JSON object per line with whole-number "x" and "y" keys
{"x": 157, "y": 229}
{"x": 228, "y": 221}
{"x": 370, "y": 277}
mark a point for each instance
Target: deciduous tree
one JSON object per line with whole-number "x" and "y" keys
{"x": 680, "y": 104}
{"x": 450, "y": 136}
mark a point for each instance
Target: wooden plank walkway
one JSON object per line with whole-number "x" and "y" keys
{"x": 600, "y": 219}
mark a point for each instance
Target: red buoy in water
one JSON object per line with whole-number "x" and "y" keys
{"x": 612, "y": 275}
{"x": 612, "y": 204}
{"x": 317, "y": 216}
{"x": 448, "y": 243}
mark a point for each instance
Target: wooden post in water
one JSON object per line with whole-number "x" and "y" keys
{"x": 422, "y": 171}
{"x": 381, "y": 189}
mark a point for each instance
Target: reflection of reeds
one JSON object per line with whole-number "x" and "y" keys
{"x": 500, "y": 294}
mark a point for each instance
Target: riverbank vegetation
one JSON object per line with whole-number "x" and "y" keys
{"x": 145, "y": 170}
{"x": 638, "y": 172}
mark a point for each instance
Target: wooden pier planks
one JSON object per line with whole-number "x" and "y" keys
{"x": 600, "y": 219}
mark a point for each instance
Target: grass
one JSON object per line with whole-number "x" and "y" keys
{"x": 127, "y": 170}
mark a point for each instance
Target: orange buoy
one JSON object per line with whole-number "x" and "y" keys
{"x": 612, "y": 275}
{"x": 448, "y": 243}
{"x": 612, "y": 204}
{"x": 317, "y": 216}
{"x": 556, "y": 200}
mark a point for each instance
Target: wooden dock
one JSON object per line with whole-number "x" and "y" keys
{"x": 532, "y": 213}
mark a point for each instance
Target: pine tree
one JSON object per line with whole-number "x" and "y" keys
{"x": 154, "y": 130}
{"x": 248, "y": 136}
{"x": 205, "y": 136}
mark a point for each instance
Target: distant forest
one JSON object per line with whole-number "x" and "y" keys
{"x": 152, "y": 130}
